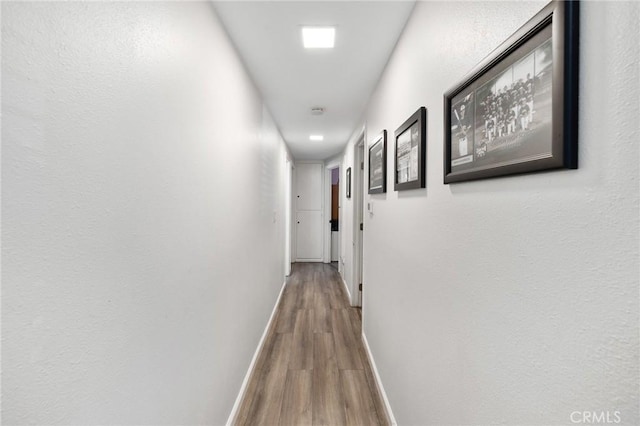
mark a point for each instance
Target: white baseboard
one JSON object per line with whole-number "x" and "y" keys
{"x": 247, "y": 377}
{"x": 383, "y": 394}
{"x": 344, "y": 283}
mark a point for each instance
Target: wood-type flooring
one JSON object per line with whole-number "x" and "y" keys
{"x": 313, "y": 368}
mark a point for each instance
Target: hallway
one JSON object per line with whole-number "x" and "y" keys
{"x": 313, "y": 368}
{"x": 164, "y": 164}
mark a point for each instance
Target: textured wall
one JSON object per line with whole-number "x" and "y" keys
{"x": 140, "y": 176}
{"x": 510, "y": 300}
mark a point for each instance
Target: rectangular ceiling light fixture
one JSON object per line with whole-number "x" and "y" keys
{"x": 316, "y": 137}
{"x": 318, "y": 37}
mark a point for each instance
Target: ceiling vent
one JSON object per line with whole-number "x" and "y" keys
{"x": 317, "y": 111}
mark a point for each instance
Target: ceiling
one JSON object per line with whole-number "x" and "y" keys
{"x": 293, "y": 79}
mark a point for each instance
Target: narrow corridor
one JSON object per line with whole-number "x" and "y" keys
{"x": 165, "y": 162}
{"x": 313, "y": 368}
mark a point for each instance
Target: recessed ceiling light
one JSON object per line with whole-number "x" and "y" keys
{"x": 318, "y": 37}
{"x": 316, "y": 137}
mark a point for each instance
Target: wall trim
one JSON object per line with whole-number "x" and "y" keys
{"x": 346, "y": 287}
{"x": 383, "y": 394}
{"x": 247, "y": 377}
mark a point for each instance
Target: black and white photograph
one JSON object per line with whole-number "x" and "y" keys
{"x": 513, "y": 111}
{"x": 410, "y": 152}
{"x": 463, "y": 131}
{"x": 407, "y": 155}
{"x": 378, "y": 165}
{"x": 508, "y": 116}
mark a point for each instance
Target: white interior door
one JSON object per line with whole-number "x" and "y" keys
{"x": 358, "y": 192}
{"x": 309, "y": 235}
{"x": 309, "y": 214}
{"x": 287, "y": 210}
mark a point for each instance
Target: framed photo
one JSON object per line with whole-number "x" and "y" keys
{"x": 378, "y": 165}
{"x": 348, "y": 185}
{"x": 410, "y": 153}
{"x": 517, "y": 111}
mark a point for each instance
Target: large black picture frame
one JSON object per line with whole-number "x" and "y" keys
{"x": 417, "y": 126}
{"x": 490, "y": 143}
{"x": 378, "y": 164}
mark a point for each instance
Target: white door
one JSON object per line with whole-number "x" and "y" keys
{"x": 359, "y": 193}
{"x": 309, "y": 235}
{"x": 309, "y": 244}
{"x": 288, "y": 213}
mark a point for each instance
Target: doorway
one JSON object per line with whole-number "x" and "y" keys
{"x": 335, "y": 217}
{"x": 358, "y": 225}
{"x": 288, "y": 213}
{"x": 332, "y": 212}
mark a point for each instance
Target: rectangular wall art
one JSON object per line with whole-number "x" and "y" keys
{"x": 411, "y": 151}
{"x": 378, "y": 165}
{"x": 517, "y": 111}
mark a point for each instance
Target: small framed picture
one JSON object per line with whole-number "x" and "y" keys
{"x": 411, "y": 151}
{"x": 348, "y": 185}
{"x": 517, "y": 111}
{"x": 378, "y": 165}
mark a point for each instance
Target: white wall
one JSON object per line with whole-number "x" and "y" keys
{"x": 141, "y": 177}
{"x": 510, "y": 300}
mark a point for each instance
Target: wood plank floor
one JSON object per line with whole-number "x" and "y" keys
{"x": 313, "y": 368}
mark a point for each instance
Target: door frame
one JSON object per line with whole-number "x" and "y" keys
{"x": 358, "y": 217}
{"x": 337, "y": 163}
{"x": 288, "y": 207}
